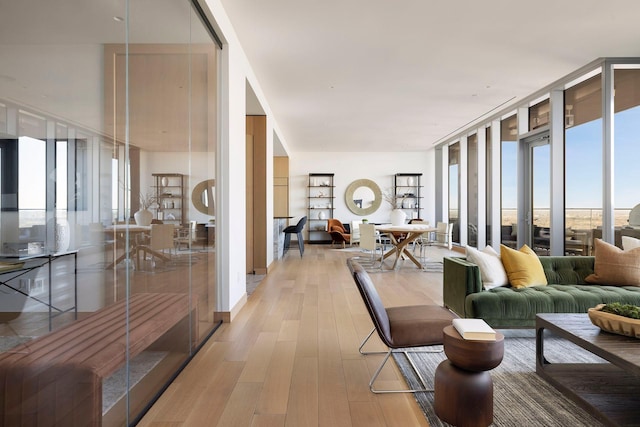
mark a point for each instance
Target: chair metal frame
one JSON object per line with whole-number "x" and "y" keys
{"x": 370, "y": 240}
{"x": 372, "y": 295}
{"x": 387, "y": 354}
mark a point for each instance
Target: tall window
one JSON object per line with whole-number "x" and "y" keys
{"x": 454, "y": 190}
{"x": 626, "y": 146}
{"x": 509, "y": 179}
{"x": 472, "y": 190}
{"x": 583, "y": 163}
{"x": 488, "y": 185}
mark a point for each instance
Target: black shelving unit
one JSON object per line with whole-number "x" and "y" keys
{"x": 320, "y": 206}
{"x": 408, "y": 193}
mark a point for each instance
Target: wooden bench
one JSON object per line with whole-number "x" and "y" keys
{"x": 56, "y": 379}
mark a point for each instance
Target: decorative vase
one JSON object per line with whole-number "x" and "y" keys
{"x": 397, "y": 217}
{"x": 63, "y": 235}
{"x": 164, "y": 181}
{"x": 143, "y": 217}
{"x": 410, "y": 181}
{"x": 321, "y": 215}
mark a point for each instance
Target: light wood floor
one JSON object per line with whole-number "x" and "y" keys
{"x": 290, "y": 358}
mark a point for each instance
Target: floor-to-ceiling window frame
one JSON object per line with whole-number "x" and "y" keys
{"x": 583, "y": 166}
{"x": 509, "y": 180}
{"x": 626, "y": 174}
{"x": 453, "y": 172}
{"x": 74, "y": 158}
{"x": 594, "y": 161}
{"x": 472, "y": 189}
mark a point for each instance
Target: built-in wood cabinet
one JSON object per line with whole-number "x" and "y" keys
{"x": 280, "y": 186}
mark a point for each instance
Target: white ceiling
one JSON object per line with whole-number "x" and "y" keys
{"x": 381, "y": 75}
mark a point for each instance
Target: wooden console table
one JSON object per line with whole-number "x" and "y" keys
{"x": 608, "y": 391}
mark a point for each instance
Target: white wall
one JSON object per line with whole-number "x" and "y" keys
{"x": 234, "y": 74}
{"x": 348, "y": 167}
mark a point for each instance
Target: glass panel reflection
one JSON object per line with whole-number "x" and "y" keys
{"x": 110, "y": 307}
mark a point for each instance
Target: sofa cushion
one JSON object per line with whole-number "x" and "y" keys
{"x": 629, "y": 243}
{"x": 567, "y": 270}
{"x": 507, "y": 307}
{"x": 613, "y": 266}
{"x": 522, "y": 266}
{"x": 490, "y": 265}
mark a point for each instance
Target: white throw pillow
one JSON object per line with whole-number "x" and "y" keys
{"x": 629, "y": 243}
{"x": 490, "y": 265}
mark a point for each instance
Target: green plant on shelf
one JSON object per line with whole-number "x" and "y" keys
{"x": 625, "y": 310}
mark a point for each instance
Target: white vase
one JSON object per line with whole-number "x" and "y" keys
{"x": 397, "y": 217}
{"x": 143, "y": 217}
{"x": 63, "y": 235}
{"x": 164, "y": 181}
{"x": 410, "y": 181}
{"x": 321, "y": 215}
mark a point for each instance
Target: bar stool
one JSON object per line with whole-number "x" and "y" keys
{"x": 295, "y": 229}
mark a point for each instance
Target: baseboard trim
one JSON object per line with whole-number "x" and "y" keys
{"x": 228, "y": 316}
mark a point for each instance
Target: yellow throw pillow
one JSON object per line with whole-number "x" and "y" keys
{"x": 615, "y": 267}
{"x": 523, "y": 267}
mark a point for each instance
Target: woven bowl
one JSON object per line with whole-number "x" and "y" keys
{"x": 613, "y": 323}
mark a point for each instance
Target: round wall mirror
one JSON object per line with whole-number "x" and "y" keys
{"x": 202, "y": 197}
{"x": 363, "y": 197}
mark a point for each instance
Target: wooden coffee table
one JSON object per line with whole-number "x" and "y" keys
{"x": 608, "y": 391}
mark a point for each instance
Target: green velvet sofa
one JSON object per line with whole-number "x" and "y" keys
{"x": 506, "y": 307}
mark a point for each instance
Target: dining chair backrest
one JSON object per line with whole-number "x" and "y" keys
{"x": 161, "y": 236}
{"x": 301, "y": 224}
{"x": 355, "y": 230}
{"x": 368, "y": 237}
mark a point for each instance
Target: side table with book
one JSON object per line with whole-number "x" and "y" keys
{"x": 463, "y": 377}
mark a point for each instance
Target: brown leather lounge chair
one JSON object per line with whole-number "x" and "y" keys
{"x": 400, "y": 328}
{"x": 338, "y": 232}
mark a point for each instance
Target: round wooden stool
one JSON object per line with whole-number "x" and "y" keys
{"x": 463, "y": 387}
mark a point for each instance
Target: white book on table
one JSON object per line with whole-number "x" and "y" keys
{"x": 474, "y": 329}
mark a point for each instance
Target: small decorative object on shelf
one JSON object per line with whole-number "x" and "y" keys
{"x": 320, "y": 206}
{"x": 617, "y": 318}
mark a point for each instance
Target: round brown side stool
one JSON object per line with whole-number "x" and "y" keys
{"x": 463, "y": 387}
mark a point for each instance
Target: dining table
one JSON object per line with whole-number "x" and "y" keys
{"x": 409, "y": 233}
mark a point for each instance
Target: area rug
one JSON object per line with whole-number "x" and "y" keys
{"x": 521, "y": 397}
{"x": 114, "y": 387}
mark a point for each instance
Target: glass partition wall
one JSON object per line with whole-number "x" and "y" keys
{"x": 107, "y": 273}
